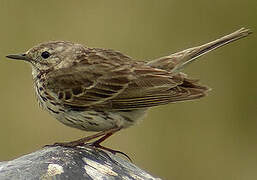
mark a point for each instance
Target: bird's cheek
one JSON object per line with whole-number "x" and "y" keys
{"x": 40, "y": 66}
{"x": 63, "y": 64}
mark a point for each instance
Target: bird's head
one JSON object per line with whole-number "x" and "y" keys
{"x": 50, "y": 55}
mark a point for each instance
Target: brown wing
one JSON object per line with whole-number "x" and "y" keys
{"x": 82, "y": 87}
{"x": 152, "y": 89}
{"x": 125, "y": 87}
{"x": 90, "y": 78}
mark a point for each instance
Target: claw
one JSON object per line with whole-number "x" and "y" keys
{"x": 98, "y": 146}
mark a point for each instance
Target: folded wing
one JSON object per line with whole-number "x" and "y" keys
{"x": 121, "y": 88}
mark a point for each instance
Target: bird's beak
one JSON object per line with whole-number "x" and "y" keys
{"x": 19, "y": 57}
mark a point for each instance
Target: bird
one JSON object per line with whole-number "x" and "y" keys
{"x": 104, "y": 91}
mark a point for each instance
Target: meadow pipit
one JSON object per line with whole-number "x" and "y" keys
{"x": 103, "y": 90}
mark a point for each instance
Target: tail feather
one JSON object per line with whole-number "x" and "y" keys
{"x": 175, "y": 62}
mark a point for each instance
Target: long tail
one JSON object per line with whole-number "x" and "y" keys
{"x": 175, "y": 62}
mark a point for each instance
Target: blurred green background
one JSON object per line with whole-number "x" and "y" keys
{"x": 212, "y": 138}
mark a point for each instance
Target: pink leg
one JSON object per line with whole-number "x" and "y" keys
{"x": 82, "y": 141}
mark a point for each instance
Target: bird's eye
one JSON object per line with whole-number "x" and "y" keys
{"x": 45, "y": 54}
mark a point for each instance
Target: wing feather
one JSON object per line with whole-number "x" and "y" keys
{"x": 119, "y": 86}
{"x": 91, "y": 88}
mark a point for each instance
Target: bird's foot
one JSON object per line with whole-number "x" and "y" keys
{"x": 97, "y": 145}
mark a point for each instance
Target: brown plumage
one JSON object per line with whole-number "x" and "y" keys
{"x": 97, "y": 89}
{"x": 120, "y": 85}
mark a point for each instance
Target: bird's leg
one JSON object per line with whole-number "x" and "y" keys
{"x": 96, "y": 144}
{"x": 82, "y": 141}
